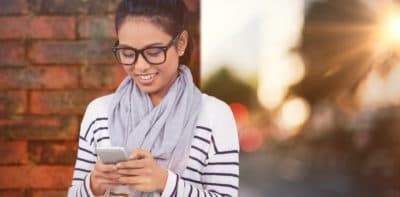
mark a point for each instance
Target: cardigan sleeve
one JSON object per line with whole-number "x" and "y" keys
{"x": 220, "y": 175}
{"x": 86, "y": 156}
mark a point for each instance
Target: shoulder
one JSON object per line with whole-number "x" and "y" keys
{"x": 212, "y": 106}
{"x": 95, "y": 115}
{"x": 99, "y": 105}
{"x": 101, "y": 101}
{"x": 218, "y": 116}
{"x": 97, "y": 108}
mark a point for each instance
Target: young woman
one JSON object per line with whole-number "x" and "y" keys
{"x": 181, "y": 142}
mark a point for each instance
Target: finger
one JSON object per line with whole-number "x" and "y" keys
{"x": 135, "y": 172}
{"x": 113, "y": 175}
{"x": 107, "y": 176}
{"x": 140, "y": 154}
{"x": 131, "y": 164}
{"x": 131, "y": 180}
{"x": 101, "y": 181}
{"x": 108, "y": 182}
{"x": 100, "y": 166}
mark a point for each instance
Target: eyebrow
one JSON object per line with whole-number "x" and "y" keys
{"x": 146, "y": 46}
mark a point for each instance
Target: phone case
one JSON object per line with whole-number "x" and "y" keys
{"x": 111, "y": 155}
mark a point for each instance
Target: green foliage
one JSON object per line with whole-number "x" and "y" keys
{"x": 225, "y": 86}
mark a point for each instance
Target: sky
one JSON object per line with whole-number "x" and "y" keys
{"x": 253, "y": 38}
{"x": 238, "y": 33}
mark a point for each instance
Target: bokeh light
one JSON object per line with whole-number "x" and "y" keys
{"x": 392, "y": 27}
{"x": 381, "y": 91}
{"x": 241, "y": 113}
{"x": 292, "y": 115}
{"x": 250, "y": 139}
{"x": 270, "y": 95}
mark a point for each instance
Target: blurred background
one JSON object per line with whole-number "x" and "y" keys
{"x": 314, "y": 89}
{"x": 55, "y": 57}
{"x": 313, "y": 85}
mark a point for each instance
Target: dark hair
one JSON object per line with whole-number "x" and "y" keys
{"x": 170, "y": 15}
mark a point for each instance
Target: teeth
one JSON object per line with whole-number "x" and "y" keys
{"x": 147, "y": 77}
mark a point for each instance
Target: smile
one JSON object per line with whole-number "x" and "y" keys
{"x": 146, "y": 79}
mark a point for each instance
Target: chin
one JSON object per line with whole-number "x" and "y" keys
{"x": 148, "y": 90}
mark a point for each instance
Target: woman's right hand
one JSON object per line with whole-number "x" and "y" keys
{"x": 103, "y": 177}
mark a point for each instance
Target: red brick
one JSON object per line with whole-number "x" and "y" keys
{"x": 12, "y": 102}
{"x": 96, "y": 27}
{"x": 12, "y": 53}
{"x": 104, "y": 77}
{"x": 13, "y": 193}
{"x": 62, "y": 102}
{"x": 99, "y": 51}
{"x": 50, "y": 177}
{"x": 39, "y": 128}
{"x": 102, "y": 7}
{"x": 53, "y": 27}
{"x": 49, "y": 193}
{"x": 14, "y": 27}
{"x": 38, "y": 177}
{"x": 13, "y": 7}
{"x": 71, "y": 52}
{"x": 37, "y": 27}
{"x": 13, "y": 152}
{"x": 57, "y": 77}
{"x": 49, "y": 52}
{"x": 58, "y": 7}
{"x": 14, "y": 177}
{"x": 73, "y": 7}
{"x": 44, "y": 152}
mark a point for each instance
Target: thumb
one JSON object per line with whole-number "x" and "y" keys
{"x": 139, "y": 154}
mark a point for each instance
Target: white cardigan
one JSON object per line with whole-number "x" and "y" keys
{"x": 213, "y": 165}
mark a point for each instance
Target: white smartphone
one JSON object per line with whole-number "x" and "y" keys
{"x": 112, "y": 154}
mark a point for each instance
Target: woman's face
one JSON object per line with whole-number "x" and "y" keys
{"x": 138, "y": 33}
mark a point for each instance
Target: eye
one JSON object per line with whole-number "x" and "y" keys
{"x": 153, "y": 52}
{"x": 127, "y": 52}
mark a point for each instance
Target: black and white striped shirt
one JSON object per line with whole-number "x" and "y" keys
{"x": 213, "y": 165}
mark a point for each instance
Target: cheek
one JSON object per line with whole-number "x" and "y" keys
{"x": 170, "y": 67}
{"x": 164, "y": 73}
{"x": 173, "y": 57}
{"x": 127, "y": 69}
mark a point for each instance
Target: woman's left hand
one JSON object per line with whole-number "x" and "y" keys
{"x": 142, "y": 173}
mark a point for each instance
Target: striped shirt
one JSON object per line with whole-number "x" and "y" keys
{"x": 213, "y": 165}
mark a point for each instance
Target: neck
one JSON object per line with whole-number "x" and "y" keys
{"x": 157, "y": 97}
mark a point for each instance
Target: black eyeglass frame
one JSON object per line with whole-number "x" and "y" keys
{"x": 138, "y": 52}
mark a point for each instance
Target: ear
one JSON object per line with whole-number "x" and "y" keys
{"x": 182, "y": 42}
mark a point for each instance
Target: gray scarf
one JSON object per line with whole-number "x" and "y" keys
{"x": 165, "y": 130}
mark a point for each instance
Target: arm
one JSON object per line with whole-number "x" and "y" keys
{"x": 86, "y": 156}
{"x": 220, "y": 175}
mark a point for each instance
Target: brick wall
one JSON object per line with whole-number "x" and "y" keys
{"x": 54, "y": 58}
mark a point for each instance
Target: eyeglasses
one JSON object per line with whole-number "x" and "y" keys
{"x": 154, "y": 55}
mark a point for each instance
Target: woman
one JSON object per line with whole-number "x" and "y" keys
{"x": 181, "y": 142}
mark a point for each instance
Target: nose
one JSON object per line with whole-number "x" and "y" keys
{"x": 141, "y": 64}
